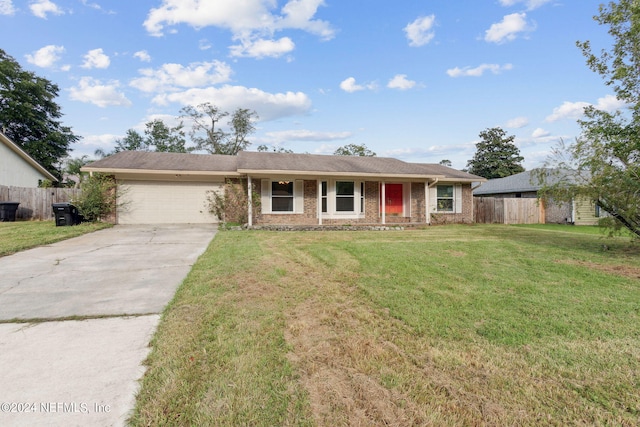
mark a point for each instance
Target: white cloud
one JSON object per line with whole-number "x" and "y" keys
{"x": 142, "y": 55}
{"x": 41, "y": 8}
{"x": 96, "y": 59}
{"x": 610, "y": 103}
{"x": 172, "y": 77}
{"x": 420, "y": 32}
{"x": 350, "y": 85}
{"x": 540, "y": 133}
{"x": 269, "y": 106}
{"x": 204, "y": 44}
{"x": 306, "y": 135}
{"x": 531, "y": 4}
{"x": 568, "y": 110}
{"x": 517, "y": 123}
{"x": 249, "y": 21}
{"x": 92, "y": 91}
{"x": 401, "y": 82}
{"x": 508, "y": 29}
{"x": 46, "y": 57}
{"x": 262, "y": 48}
{"x": 575, "y": 110}
{"x": 479, "y": 70}
{"x": 6, "y": 7}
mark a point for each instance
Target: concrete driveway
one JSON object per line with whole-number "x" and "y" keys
{"x": 83, "y": 312}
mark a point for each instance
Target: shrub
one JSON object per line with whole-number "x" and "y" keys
{"x": 98, "y": 198}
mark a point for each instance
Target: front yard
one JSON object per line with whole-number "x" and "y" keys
{"x": 20, "y": 235}
{"x": 455, "y": 325}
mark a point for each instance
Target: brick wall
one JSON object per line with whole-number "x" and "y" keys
{"x": 465, "y": 217}
{"x": 372, "y": 208}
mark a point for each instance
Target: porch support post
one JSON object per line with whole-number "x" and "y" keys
{"x": 250, "y": 201}
{"x": 319, "y": 202}
{"x": 427, "y": 215}
{"x": 384, "y": 202}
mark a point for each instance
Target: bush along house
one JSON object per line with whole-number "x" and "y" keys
{"x": 286, "y": 189}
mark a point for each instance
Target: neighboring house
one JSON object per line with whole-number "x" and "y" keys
{"x": 17, "y": 168}
{"x": 293, "y": 189}
{"x": 527, "y": 184}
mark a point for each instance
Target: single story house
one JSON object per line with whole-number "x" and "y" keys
{"x": 17, "y": 168}
{"x": 292, "y": 189}
{"x": 527, "y": 185}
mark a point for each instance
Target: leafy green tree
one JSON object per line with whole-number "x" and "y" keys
{"x": 164, "y": 138}
{"x": 354, "y": 150}
{"x": 157, "y": 137}
{"x": 73, "y": 166}
{"x": 496, "y": 155}
{"x": 207, "y": 134}
{"x": 605, "y": 160}
{"x": 446, "y": 163}
{"x": 30, "y": 116}
{"x": 132, "y": 141}
{"x": 263, "y": 148}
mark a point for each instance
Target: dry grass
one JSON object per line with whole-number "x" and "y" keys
{"x": 401, "y": 329}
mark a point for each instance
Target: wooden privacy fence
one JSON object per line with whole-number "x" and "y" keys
{"x": 35, "y": 203}
{"x": 494, "y": 210}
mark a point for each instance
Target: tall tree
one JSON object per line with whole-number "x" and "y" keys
{"x": 30, "y": 116}
{"x": 605, "y": 159}
{"x": 208, "y": 135}
{"x": 157, "y": 137}
{"x": 496, "y": 155}
{"x": 164, "y": 138}
{"x": 132, "y": 141}
{"x": 354, "y": 150}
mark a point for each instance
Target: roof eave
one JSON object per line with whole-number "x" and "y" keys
{"x": 276, "y": 172}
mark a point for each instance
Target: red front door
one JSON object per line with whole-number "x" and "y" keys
{"x": 393, "y": 199}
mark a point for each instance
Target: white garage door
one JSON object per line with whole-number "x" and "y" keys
{"x": 161, "y": 202}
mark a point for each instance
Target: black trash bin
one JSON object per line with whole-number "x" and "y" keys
{"x": 8, "y": 211}
{"x": 65, "y": 214}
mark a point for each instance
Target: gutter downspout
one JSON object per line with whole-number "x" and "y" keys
{"x": 426, "y": 190}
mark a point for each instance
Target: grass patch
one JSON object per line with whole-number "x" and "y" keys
{"x": 454, "y": 325}
{"x": 20, "y": 235}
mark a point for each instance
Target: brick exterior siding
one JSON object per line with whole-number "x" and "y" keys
{"x": 372, "y": 208}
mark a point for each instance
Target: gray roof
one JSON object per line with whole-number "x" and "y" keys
{"x": 247, "y": 162}
{"x": 153, "y": 161}
{"x": 523, "y": 182}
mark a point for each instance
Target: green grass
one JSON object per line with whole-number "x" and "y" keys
{"x": 455, "y": 325}
{"x": 20, "y": 235}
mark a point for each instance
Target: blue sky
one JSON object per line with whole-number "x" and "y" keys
{"x": 415, "y": 80}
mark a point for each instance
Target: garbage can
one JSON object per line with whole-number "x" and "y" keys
{"x": 8, "y": 211}
{"x": 65, "y": 214}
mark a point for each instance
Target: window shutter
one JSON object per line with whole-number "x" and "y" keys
{"x": 265, "y": 195}
{"x": 298, "y": 196}
{"x": 458, "y": 196}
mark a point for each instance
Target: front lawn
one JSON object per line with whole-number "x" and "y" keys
{"x": 452, "y": 325}
{"x": 20, "y": 235}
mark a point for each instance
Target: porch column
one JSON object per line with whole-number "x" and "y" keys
{"x": 427, "y": 215}
{"x": 319, "y": 202}
{"x": 250, "y": 201}
{"x": 384, "y": 203}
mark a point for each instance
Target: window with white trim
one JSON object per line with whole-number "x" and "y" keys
{"x": 445, "y": 198}
{"x": 345, "y": 196}
{"x": 282, "y": 196}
